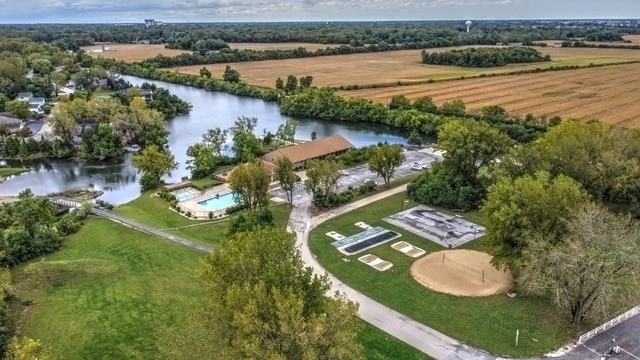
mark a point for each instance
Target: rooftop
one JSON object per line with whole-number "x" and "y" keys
{"x": 311, "y": 150}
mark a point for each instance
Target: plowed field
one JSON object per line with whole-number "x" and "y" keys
{"x": 610, "y": 94}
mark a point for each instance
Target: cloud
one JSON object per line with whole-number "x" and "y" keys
{"x": 302, "y": 10}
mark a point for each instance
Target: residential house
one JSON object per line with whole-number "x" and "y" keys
{"x": 101, "y": 83}
{"x": 35, "y": 103}
{"x": 10, "y": 121}
{"x": 313, "y": 150}
{"x": 147, "y": 94}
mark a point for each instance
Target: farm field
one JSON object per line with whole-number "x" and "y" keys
{"x": 281, "y": 46}
{"x": 396, "y": 66}
{"x": 131, "y": 52}
{"x": 634, "y": 40}
{"x": 605, "y": 93}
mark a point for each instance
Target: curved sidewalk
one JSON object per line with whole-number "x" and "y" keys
{"x": 418, "y": 335}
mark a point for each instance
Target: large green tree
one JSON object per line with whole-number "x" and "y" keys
{"x": 384, "y": 160}
{"x": 154, "y": 163}
{"x": 18, "y": 108}
{"x": 250, "y": 183}
{"x": 517, "y": 210}
{"x": 593, "y": 267}
{"x": 286, "y": 177}
{"x": 263, "y": 303}
{"x": 215, "y": 140}
{"x": 202, "y": 162}
{"x": 322, "y": 180}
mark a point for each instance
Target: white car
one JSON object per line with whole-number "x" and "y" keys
{"x": 417, "y": 167}
{"x": 369, "y": 181}
{"x": 343, "y": 172}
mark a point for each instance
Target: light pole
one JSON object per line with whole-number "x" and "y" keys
{"x": 475, "y": 230}
{"x": 402, "y": 204}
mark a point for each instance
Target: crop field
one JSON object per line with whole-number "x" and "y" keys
{"x": 396, "y": 66}
{"x": 131, "y": 52}
{"x": 609, "y": 93}
{"x": 281, "y": 46}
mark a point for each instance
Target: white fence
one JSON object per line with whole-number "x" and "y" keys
{"x": 609, "y": 324}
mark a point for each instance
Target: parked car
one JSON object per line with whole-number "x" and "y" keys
{"x": 415, "y": 166}
{"x": 369, "y": 181}
{"x": 343, "y": 172}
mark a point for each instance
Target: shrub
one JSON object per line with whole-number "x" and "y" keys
{"x": 210, "y": 214}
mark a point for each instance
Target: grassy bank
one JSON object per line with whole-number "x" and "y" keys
{"x": 105, "y": 294}
{"x": 154, "y": 211}
{"x": 489, "y": 322}
{"x": 6, "y": 172}
{"x": 115, "y": 293}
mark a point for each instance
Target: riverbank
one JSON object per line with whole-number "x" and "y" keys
{"x": 8, "y": 172}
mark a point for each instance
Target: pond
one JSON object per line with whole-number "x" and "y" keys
{"x": 119, "y": 180}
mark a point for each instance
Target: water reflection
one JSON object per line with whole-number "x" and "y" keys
{"x": 119, "y": 180}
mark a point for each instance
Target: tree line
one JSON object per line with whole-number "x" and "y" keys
{"x": 484, "y": 57}
{"x": 561, "y": 212}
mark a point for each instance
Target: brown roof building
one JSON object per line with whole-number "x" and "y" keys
{"x": 312, "y": 150}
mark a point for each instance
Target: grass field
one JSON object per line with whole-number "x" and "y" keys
{"x": 131, "y": 52}
{"x": 114, "y": 293}
{"x": 104, "y": 295}
{"x": 489, "y": 323}
{"x": 605, "y": 93}
{"x": 152, "y": 210}
{"x": 395, "y": 66}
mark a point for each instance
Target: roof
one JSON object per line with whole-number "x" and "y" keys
{"x": 8, "y": 120}
{"x": 311, "y": 150}
{"x": 25, "y": 95}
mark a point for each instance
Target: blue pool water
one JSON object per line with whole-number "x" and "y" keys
{"x": 182, "y": 195}
{"x": 218, "y": 202}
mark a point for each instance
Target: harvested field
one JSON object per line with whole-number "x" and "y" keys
{"x": 396, "y": 66}
{"x": 131, "y": 52}
{"x": 609, "y": 94}
{"x": 281, "y": 46}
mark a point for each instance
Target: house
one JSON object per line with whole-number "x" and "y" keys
{"x": 313, "y": 150}
{"x": 147, "y": 94}
{"x": 556, "y": 45}
{"x": 515, "y": 44}
{"x": 35, "y": 103}
{"x": 101, "y": 83}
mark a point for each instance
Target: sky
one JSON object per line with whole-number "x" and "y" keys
{"x": 121, "y": 11}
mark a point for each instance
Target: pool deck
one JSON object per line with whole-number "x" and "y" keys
{"x": 199, "y": 212}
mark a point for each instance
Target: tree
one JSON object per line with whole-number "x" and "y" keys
{"x": 291, "y": 85}
{"x": 202, "y": 162}
{"x": 263, "y": 303}
{"x": 384, "y": 160}
{"x": 18, "y": 108}
{"x": 42, "y": 67}
{"x": 245, "y": 124}
{"x": 524, "y": 208}
{"x": 314, "y": 135}
{"x": 215, "y": 139}
{"x": 471, "y": 145}
{"x": 414, "y": 139}
{"x": 322, "y": 180}
{"x": 425, "y": 104}
{"x": 286, "y": 132}
{"x": 154, "y": 163}
{"x": 230, "y": 75}
{"x": 279, "y": 84}
{"x": 286, "y": 177}
{"x": 250, "y": 183}
{"x": 204, "y": 72}
{"x": 453, "y": 107}
{"x": 3, "y": 101}
{"x": 399, "y": 102}
{"x": 305, "y": 81}
{"x": 594, "y": 266}
{"x": 246, "y": 146}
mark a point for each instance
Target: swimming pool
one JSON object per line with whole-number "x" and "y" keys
{"x": 218, "y": 202}
{"x": 184, "y": 194}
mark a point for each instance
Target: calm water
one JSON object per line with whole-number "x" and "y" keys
{"x": 119, "y": 180}
{"x": 218, "y": 203}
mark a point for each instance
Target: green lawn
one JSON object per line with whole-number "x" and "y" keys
{"x": 115, "y": 293}
{"x": 154, "y": 211}
{"x": 489, "y": 323}
{"x": 205, "y": 183}
{"x": 4, "y": 172}
{"x": 378, "y": 345}
{"x": 107, "y": 292}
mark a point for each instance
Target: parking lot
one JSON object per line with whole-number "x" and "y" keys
{"x": 626, "y": 335}
{"x": 357, "y": 175}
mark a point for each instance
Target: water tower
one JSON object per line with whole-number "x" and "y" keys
{"x": 468, "y": 23}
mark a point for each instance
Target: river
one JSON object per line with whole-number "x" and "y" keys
{"x": 119, "y": 180}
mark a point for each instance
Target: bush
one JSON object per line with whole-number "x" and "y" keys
{"x": 234, "y": 209}
{"x": 210, "y": 214}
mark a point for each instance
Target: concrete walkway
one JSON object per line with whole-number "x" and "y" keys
{"x": 420, "y": 336}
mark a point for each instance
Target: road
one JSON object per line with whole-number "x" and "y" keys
{"x": 150, "y": 230}
{"x": 420, "y": 336}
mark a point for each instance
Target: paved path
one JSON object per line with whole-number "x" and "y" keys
{"x": 423, "y": 338}
{"x": 150, "y": 230}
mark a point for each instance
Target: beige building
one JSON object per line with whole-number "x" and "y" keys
{"x": 312, "y": 150}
